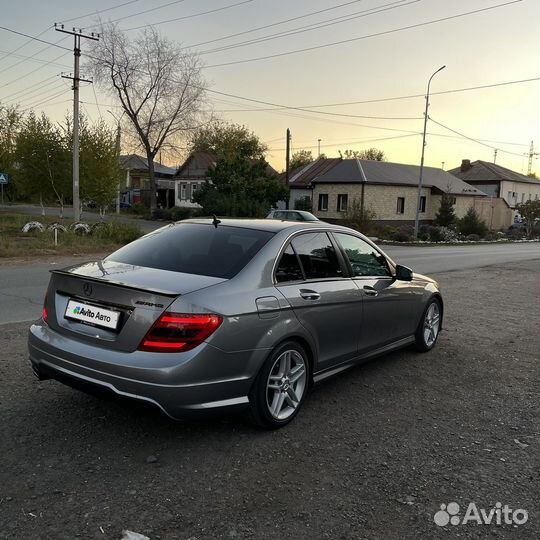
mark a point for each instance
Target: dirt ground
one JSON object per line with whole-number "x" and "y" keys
{"x": 373, "y": 454}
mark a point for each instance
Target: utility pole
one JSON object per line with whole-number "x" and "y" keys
{"x": 287, "y": 161}
{"x": 495, "y": 156}
{"x": 442, "y": 165}
{"x": 76, "y": 78}
{"x": 531, "y": 155}
{"x": 319, "y": 141}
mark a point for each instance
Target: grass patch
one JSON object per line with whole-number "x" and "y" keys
{"x": 105, "y": 238}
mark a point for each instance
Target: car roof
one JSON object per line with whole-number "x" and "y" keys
{"x": 270, "y": 225}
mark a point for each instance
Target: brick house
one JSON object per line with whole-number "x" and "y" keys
{"x": 388, "y": 190}
{"x": 503, "y": 186}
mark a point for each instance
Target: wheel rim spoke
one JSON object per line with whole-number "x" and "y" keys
{"x": 286, "y": 384}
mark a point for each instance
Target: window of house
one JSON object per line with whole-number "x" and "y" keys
{"x": 323, "y": 202}
{"x": 289, "y": 268}
{"x": 522, "y": 198}
{"x": 400, "y": 209}
{"x": 194, "y": 188}
{"x": 342, "y": 201}
{"x": 183, "y": 191}
{"x": 453, "y": 200}
{"x": 509, "y": 195}
{"x": 365, "y": 260}
{"x": 422, "y": 204}
{"x": 317, "y": 255}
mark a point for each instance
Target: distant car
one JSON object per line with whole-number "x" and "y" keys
{"x": 125, "y": 205}
{"x": 292, "y": 215}
{"x": 207, "y": 315}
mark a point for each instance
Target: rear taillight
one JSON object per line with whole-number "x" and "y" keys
{"x": 45, "y": 314}
{"x": 177, "y": 332}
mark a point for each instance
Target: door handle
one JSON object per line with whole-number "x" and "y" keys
{"x": 370, "y": 291}
{"x": 308, "y": 294}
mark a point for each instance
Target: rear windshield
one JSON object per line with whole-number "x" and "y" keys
{"x": 195, "y": 248}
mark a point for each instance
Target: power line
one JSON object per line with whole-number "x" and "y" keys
{"x": 304, "y": 109}
{"x": 34, "y": 105}
{"x": 37, "y": 91}
{"x": 140, "y": 13}
{"x": 35, "y": 38}
{"x": 395, "y": 98}
{"x": 31, "y": 58}
{"x": 367, "y": 36}
{"x": 478, "y": 141}
{"x": 362, "y": 141}
{"x": 39, "y": 83}
{"x": 276, "y": 23}
{"x": 32, "y": 72}
{"x": 200, "y": 13}
{"x": 315, "y": 26}
{"x": 6, "y": 54}
{"x": 100, "y": 11}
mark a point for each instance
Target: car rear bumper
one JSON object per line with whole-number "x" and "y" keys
{"x": 187, "y": 389}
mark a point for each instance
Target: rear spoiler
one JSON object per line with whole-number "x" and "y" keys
{"x": 117, "y": 283}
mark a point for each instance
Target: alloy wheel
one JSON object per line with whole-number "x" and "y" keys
{"x": 286, "y": 384}
{"x": 432, "y": 324}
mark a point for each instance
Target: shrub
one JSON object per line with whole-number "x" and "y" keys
{"x": 442, "y": 234}
{"x": 470, "y": 223}
{"x": 472, "y": 238}
{"x": 118, "y": 233}
{"x": 138, "y": 209}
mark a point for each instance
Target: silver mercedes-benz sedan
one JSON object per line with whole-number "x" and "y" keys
{"x": 208, "y": 315}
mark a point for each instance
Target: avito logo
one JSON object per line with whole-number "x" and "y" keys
{"x": 499, "y": 515}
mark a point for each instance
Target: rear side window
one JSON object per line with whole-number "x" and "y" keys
{"x": 317, "y": 255}
{"x": 195, "y": 248}
{"x": 289, "y": 268}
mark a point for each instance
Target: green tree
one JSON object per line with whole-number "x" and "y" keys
{"x": 445, "y": 214}
{"x": 10, "y": 121}
{"x": 240, "y": 183}
{"x": 471, "y": 223}
{"x": 530, "y": 212}
{"x": 371, "y": 154}
{"x": 300, "y": 159}
{"x": 228, "y": 142}
{"x": 100, "y": 166}
{"x": 43, "y": 161}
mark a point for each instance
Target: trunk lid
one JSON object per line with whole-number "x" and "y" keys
{"x": 131, "y": 297}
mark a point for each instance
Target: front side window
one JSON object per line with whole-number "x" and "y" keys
{"x": 365, "y": 260}
{"x": 195, "y": 248}
{"x": 317, "y": 255}
{"x": 323, "y": 202}
{"x": 289, "y": 268}
{"x": 182, "y": 191}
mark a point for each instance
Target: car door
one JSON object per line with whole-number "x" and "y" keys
{"x": 312, "y": 276}
{"x": 390, "y": 306}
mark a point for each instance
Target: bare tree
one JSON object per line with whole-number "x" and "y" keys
{"x": 158, "y": 84}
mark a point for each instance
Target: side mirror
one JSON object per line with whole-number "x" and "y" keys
{"x": 403, "y": 273}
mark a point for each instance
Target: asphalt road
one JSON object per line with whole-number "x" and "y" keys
{"x": 373, "y": 455}
{"x": 22, "y": 286}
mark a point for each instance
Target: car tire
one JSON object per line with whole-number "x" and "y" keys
{"x": 280, "y": 387}
{"x": 429, "y": 326}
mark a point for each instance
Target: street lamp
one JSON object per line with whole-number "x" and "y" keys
{"x": 417, "y": 217}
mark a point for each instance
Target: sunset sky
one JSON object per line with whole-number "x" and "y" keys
{"x": 488, "y": 47}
